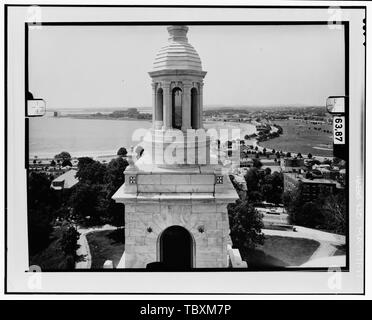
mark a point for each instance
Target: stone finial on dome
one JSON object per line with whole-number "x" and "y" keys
{"x": 178, "y": 33}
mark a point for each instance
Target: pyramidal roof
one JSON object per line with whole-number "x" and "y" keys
{"x": 178, "y": 53}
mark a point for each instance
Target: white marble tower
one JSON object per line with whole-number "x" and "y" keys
{"x": 176, "y": 194}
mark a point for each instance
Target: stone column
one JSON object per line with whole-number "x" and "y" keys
{"x": 167, "y": 105}
{"x": 154, "y": 100}
{"x": 186, "y": 106}
{"x": 200, "y": 106}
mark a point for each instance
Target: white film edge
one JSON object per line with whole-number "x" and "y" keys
{"x": 185, "y": 150}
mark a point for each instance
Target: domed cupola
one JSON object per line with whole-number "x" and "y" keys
{"x": 178, "y": 53}
{"x": 177, "y": 82}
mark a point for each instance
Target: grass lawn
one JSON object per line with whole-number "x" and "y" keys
{"x": 301, "y": 137}
{"x": 280, "y": 252}
{"x": 52, "y": 257}
{"x": 106, "y": 245}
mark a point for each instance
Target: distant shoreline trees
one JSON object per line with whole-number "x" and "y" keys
{"x": 64, "y": 155}
{"x": 122, "y": 152}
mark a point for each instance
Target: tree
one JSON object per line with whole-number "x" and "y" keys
{"x": 257, "y": 163}
{"x": 245, "y": 225}
{"x": 87, "y": 203}
{"x": 309, "y": 155}
{"x": 122, "y": 152}
{"x": 90, "y": 171}
{"x": 254, "y": 197}
{"x": 84, "y": 161}
{"x": 64, "y": 155}
{"x": 272, "y": 187}
{"x": 288, "y": 155}
{"x": 114, "y": 175}
{"x": 42, "y": 203}
{"x": 93, "y": 195}
{"x": 252, "y": 179}
{"x": 69, "y": 240}
{"x": 53, "y": 163}
{"x": 335, "y": 215}
{"x": 299, "y": 155}
{"x": 114, "y": 178}
{"x": 309, "y": 215}
{"x": 66, "y": 163}
{"x": 301, "y": 212}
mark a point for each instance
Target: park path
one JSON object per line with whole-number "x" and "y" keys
{"x": 83, "y": 251}
{"x": 328, "y": 242}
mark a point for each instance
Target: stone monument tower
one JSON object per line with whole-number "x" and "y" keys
{"x": 176, "y": 193}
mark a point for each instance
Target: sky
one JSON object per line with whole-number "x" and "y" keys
{"x": 107, "y": 66}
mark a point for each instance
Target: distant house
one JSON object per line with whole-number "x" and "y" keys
{"x": 310, "y": 188}
{"x": 246, "y": 162}
{"x": 290, "y": 164}
{"x": 65, "y": 181}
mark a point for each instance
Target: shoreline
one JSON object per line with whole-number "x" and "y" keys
{"x": 74, "y": 155}
{"x": 110, "y": 153}
{"x": 293, "y": 154}
{"x": 49, "y": 155}
{"x": 88, "y": 117}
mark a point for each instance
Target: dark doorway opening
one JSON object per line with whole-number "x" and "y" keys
{"x": 194, "y": 109}
{"x": 177, "y": 108}
{"x": 176, "y": 248}
{"x": 159, "y": 105}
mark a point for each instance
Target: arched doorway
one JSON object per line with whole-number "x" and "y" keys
{"x": 176, "y": 248}
{"x": 194, "y": 109}
{"x": 177, "y": 108}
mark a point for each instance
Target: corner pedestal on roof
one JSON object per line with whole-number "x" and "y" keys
{"x": 176, "y": 211}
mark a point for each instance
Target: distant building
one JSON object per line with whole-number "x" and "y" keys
{"x": 262, "y": 127}
{"x": 246, "y": 162}
{"x": 292, "y": 164}
{"x": 309, "y": 188}
{"x": 65, "y": 181}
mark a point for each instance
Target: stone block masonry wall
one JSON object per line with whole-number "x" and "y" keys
{"x": 176, "y": 183}
{"x": 209, "y": 247}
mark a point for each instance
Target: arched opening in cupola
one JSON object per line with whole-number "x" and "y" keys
{"x": 177, "y": 108}
{"x": 194, "y": 109}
